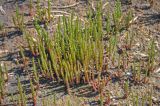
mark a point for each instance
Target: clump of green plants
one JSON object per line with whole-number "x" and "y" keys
{"x": 22, "y": 96}
{"x": 1, "y": 25}
{"x": 43, "y": 15}
{"x": 117, "y": 16}
{"x": 128, "y": 19}
{"x": 136, "y": 100}
{"x": 18, "y": 19}
{"x": 34, "y": 98}
{"x": 2, "y": 84}
{"x": 49, "y": 11}
{"x": 126, "y": 89}
{"x": 75, "y": 54}
{"x": 151, "y": 54}
{"x": 108, "y": 23}
{"x": 137, "y": 71}
{"x": 24, "y": 58}
{"x": 129, "y": 39}
{"x": 150, "y": 97}
{"x": 99, "y": 86}
{"x": 3, "y": 80}
{"x": 142, "y": 99}
{"x": 69, "y": 53}
{"x": 13, "y": 99}
{"x": 35, "y": 73}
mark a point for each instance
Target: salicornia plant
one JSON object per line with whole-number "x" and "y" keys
{"x": 117, "y": 16}
{"x": 33, "y": 93}
{"x": 22, "y": 96}
{"x": 151, "y": 54}
{"x": 18, "y": 19}
{"x": 30, "y": 7}
{"x": 126, "y": 89}
{"x": 35, "y": 73}
{"x": 49, "y": 10}
{"x": 128, "y": 18}
{"x": 2, "y": 84}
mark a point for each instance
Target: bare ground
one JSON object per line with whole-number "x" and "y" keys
{"x": 147, "y": 26}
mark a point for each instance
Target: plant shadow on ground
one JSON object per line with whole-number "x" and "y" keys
{"x": 14, "y": 1}
{"x": 29, "y": 24}
{"x": 86, "y": 91}
{"x": 47, "y": 84}
{"x": 150, "y": 19}
{"x": 8, "y": 57}
{"x": 125, "y": 2}
{"x": 51, "y": 87}
{"x": 10, "y": 35}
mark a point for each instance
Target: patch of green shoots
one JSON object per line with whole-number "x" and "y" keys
{"x": 3, "y": 79}
{"x": 108, "y": 23}
{"x": 151, "y": 54}
{"x": 35, "y": 73}
{"x": 1, "y": 86}
{"x": 126, "y": 89}
{"x": 33, "y": 94}
{"x": 18, "y": 20}
{"x": 117, "y": 16}
{"x": 22, "y": 96}
{"x": 128, "y": 18}
{"x": 150, "y": 97}
{"x": 1, "y": 26}
{"x": 49, "y": 10}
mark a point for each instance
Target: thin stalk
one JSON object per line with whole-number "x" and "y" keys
{"x": 22, "y": 53}
{"x": 117, "y": 15}
{"x": 33, "y": 93}
{"x": 128, "y": 19}
{"x": 150, "y": 97}
{"x": 35, "y": 73}
{"x": 152, "y": 54}
{"x": 2, "y": 83}
{"x": 108, "y": 24}
{"x": 126, "y": 89}
{"x": 49, "y": 10}
{"x": 30, "y": 7}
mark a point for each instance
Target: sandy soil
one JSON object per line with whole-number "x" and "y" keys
{"x": 147, "y": 26}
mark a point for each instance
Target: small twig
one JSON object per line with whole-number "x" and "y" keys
{"x": 62, "y": 12}
{"x": 133, "y": 20}
{"x": 68, "y": 6}
{"x": 66, "y": 14}
{"x": 92, "y": 5}
{"x": 103, "y": 7}
{"x": 2, "y": 10}
{"x": 3, "y": 51}
{"x": 60, "y": 15}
